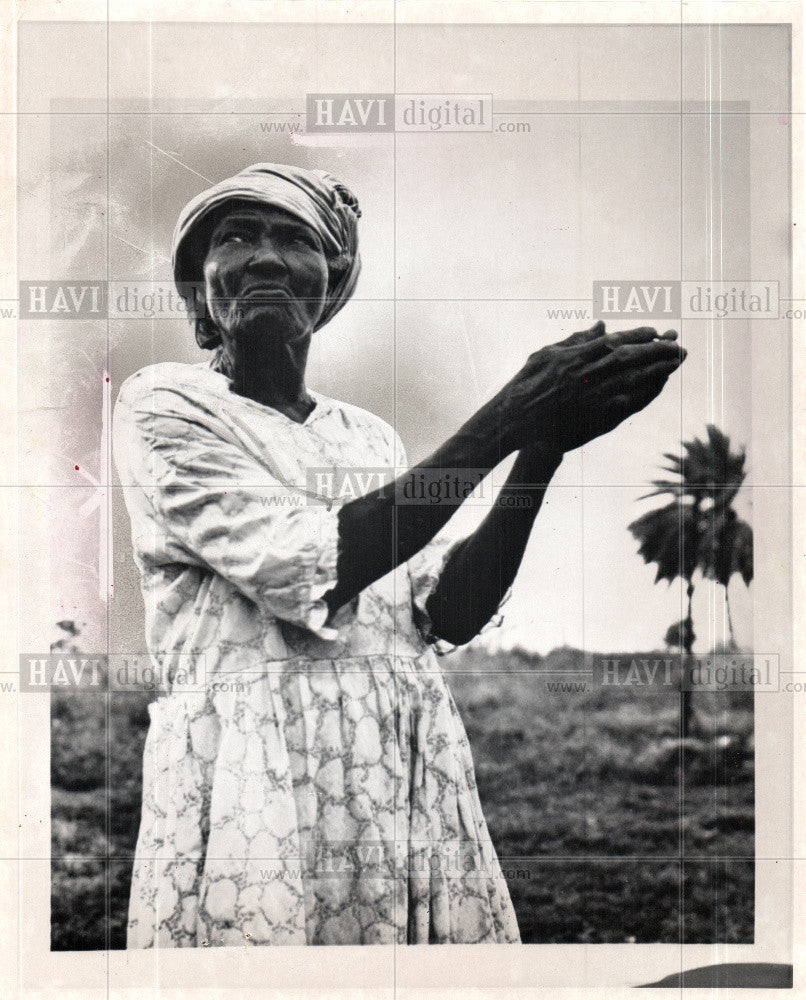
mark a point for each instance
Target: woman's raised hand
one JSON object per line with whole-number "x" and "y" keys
{"x": 573, "y": 391}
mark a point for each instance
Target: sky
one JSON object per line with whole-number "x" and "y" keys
{"x": 472, "y": 245}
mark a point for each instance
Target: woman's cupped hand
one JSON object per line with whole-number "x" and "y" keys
{"x": 573, "y": 391}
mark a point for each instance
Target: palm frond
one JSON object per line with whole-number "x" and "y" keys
{"x": 700, "y": 528}
{"x": 667, "y": 537}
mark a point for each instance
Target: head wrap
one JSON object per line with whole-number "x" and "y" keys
{"x": 314, "y": 196}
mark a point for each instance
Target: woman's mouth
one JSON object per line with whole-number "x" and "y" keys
{"x": 265, "y": 292}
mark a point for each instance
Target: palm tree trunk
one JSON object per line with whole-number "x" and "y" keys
{"x": 730, "y": 621}
{"x": 685, "y": 677}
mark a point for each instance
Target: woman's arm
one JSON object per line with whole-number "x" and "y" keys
{"x": 564, "y": 396}
{"x": 482, "y": 569}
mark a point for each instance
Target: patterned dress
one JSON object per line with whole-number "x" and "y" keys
{"x": 304, "y": 781}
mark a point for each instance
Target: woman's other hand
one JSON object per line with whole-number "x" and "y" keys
{"x": 573, "y": 391}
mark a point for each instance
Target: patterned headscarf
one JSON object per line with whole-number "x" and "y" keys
{"x": 314, "y": 196}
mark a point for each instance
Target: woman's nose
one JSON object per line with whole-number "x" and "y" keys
{"x": 268, "y": 255}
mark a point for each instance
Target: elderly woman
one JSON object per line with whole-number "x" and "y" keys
{"x": 319, "y": 789}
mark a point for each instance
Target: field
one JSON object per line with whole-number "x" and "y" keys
{"x": 607, "y": 827}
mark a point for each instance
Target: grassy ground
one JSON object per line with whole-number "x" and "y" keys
{"x": 603, "y": 836}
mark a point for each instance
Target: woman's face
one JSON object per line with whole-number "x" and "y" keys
{"x": 265, "y": 274}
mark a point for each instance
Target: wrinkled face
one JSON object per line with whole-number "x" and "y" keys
{"x": 265, "y": 274}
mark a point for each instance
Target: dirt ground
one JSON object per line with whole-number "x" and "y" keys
{"x": 607, "y": 828}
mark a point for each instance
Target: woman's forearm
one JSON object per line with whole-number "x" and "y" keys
{"x": 483, "y": 568}
{"x": 385, "y": 528}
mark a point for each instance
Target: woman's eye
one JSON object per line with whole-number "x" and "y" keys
{"x": 231, "y": 238}
{"x": 304, "y": 239}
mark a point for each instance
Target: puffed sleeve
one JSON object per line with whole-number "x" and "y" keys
{"x": 215, "y": 505}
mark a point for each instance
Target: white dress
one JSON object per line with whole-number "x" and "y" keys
{"x": 318, "y": 786}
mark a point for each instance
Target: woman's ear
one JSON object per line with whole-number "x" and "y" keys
{"x": 207, "y": 333}
{"x": 337, "y": 266}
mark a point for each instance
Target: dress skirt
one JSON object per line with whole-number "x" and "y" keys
{"x": 321, "y": 803}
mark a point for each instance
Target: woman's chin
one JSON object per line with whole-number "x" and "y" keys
{"x": 267, "y": 323}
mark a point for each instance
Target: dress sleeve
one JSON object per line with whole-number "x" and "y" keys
{"x": 219, "y": 508}
{"x": 425, "y": 567}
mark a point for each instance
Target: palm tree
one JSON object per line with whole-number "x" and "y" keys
{"x": 698, "y": 530}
